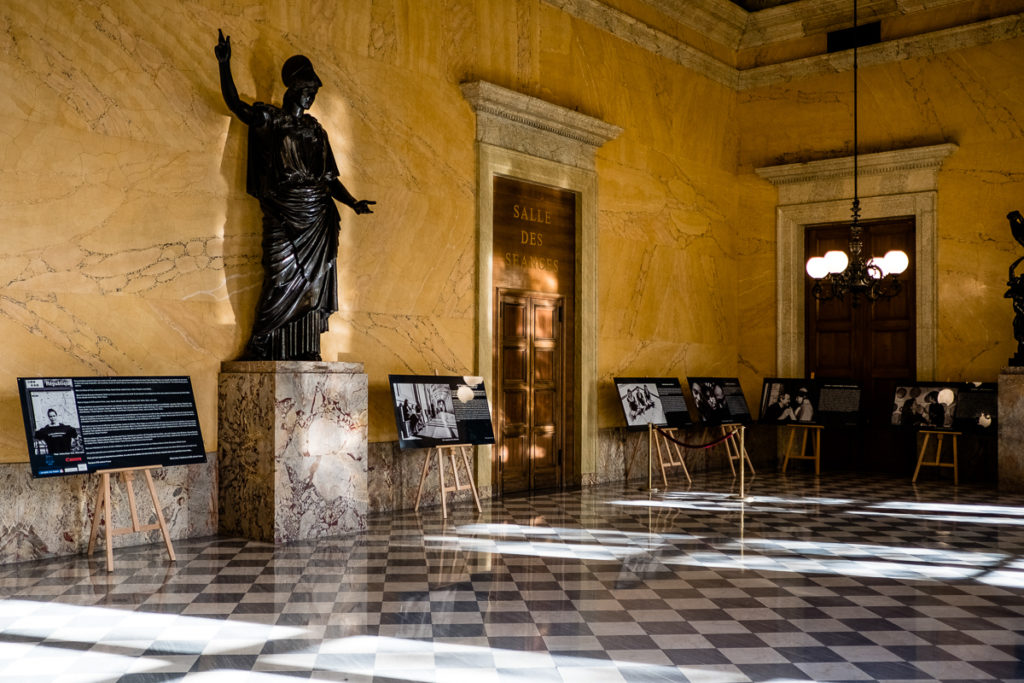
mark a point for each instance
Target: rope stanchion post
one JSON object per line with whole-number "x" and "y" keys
{"x": 743, "y": 469}
{"x": 650, "y": 456}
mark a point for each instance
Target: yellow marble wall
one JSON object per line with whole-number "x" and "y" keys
{"x": 131, "y": 247}
{"x": 971, "y": 97}
{"x": 667, "y": 228}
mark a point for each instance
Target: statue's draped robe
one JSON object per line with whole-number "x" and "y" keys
{"x": 290, "y": 170}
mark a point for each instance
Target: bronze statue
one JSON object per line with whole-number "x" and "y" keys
{"x": 292, "y": 172}
{"x": 1016, "y": 289}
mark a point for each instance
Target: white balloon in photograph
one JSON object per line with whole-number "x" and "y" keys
{"x": 946, "y": 397}
{"x": 984, "y": 420}
{"x": 464, "y": 393}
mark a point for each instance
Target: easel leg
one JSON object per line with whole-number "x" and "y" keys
{"x": 128, "y": 478}
{"x": 661, "y": 461}
{"x": 817, "y": 452}
{"x": 789, "y": 448}
{"x": 682, "y": 461}
{"x": 472, "y": 479}
{"x": 97, "y": 512}
{"x": 440, "y": 477}
{"x": 423, "y": 478}
{"x": 159, "y": 515}
{"x": 920, "y": 457}
{"x": 108, "y": 526}
{"x": 728, "y": 451}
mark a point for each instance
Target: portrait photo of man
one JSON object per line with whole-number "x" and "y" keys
{"x": 57, "y": 436}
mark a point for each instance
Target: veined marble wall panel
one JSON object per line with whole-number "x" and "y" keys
{"x": 43, "y": 518}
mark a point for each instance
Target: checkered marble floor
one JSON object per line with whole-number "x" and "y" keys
{"x": 840, "y": 578}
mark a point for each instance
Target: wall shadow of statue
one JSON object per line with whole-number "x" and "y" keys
{"x": 292, "y": 172}
{"x": 1016, "y": 289}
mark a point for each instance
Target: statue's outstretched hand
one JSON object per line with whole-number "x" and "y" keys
{"x": 363, "y": 206}
{"x": 223, "y": 47}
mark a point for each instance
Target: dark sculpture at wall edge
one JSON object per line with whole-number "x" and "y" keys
{"x": 1016, "y": 289}
{"x": 291, "y": 170}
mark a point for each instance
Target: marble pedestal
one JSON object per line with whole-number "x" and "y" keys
{"x": 1011, "y": 429}
{"x": 292, "y": 449}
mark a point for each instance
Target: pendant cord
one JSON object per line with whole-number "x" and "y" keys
{"x": 856, "y": 41}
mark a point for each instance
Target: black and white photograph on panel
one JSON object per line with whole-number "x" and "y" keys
{"x": 77, "y": 425}
{"x": 653, "y": 400}
{"x": 839, "y": 403}
{"x": 53, "y": 422}
{"x": 925, "y": 405}
{"x": 786, "y": 400}
{"x": 719, "y": 400}
{"x": 440, "y": 411}
{"x": 976, "y": 407}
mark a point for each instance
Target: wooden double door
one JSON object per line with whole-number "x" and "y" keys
{"x": 534, "y": 390}
{"x": 873, "y": 344}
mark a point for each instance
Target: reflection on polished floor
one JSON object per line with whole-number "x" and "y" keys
{"x": 838, "y": 579}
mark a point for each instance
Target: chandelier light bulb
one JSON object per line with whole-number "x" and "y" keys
{"x": 836, "y": 261}
{"x": 817, "y": 268}
{"x": 896, "y": 261}
{"x": 876, "y": 268}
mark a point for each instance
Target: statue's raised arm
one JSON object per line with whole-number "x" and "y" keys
{"x": 227, "y": 82}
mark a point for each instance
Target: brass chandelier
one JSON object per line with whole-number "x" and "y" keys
{"x": 837, "y": 273}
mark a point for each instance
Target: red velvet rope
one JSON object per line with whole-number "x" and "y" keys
{"x": 687, "y": 445}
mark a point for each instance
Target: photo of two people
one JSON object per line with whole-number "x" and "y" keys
{"x": 789, "y": 400}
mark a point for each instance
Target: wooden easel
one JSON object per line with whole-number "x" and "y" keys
{"x": 673, "y": 456}
{"x": 734, "y": 448}
{"x": 442, "y": 487}
{"x": 938, "y": 453}
{"x": 103, "y": 509}
{"x": 815, "y": 445}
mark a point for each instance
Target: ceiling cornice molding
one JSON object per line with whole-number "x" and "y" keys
{"x": 814, "y": 17}
{"x": 923, "y": 45}
{"x": 635, "y": 32}
{"x": 719, "y": 20}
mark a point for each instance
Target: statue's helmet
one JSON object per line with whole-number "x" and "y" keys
{"x": 298, "y": 71}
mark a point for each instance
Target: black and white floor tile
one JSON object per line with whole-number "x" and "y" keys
{"x": 839, "y": 578}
